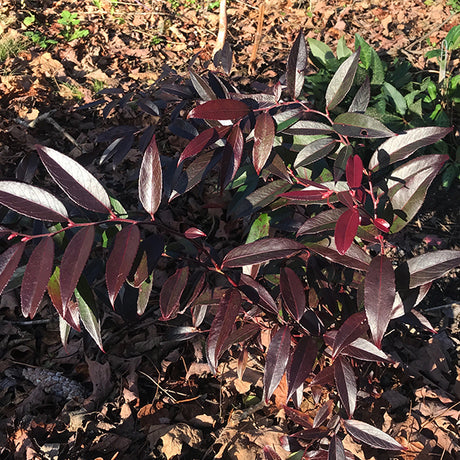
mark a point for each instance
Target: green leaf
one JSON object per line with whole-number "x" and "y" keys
{"x": 320, "y": 51}
{"x": 453, "y": 38}
{"x": 396, "y": 97}
{"x": 342, "y": 49}
{"x": 259, "y": 229}
{"x": 370, "y": 60}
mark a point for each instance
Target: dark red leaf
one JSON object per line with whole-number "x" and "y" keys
{"x": 379, "y": 296}
{"x": 264, "y": 135}
{"x": 257, "y": 294}
{"x": 80, "y": 185}
{"x": 201, "y": 87}
{"x": 381, "y": 224}
{"x": 323, "y": 413}
{"x": 70, "y": 315}
{"x": 202, "y": 141}
{"x": 297, "y": 62}
{"x": 293, "y": 293}
{"x": 370, "y": 435}
{"x": 151, "y": 179}
{"x": 324, "y": 377}
{"x": 301, "y": 365}
{"x": 36, "y": 276}
{"x": 121, "y": 260}
{"x": 270, "y": 454}
{"x": 220, "y": 109}
{"x": 346, "y": 384}
{"x": 261, "y": 251}
{"x": 354, "y": 171}
{"x": 308, "y": 194}
{"x": 366, "y": 351}
{"x": 311, "y": 433}
{"x": 231, "y": 157}
{"x": 239, "y": 335}
{"x": 222, "y": 326}
{"x": 336, "y": 449}
{"x": 276, "y": 361}
{"x": 9, "y": 260}
{"x": 73, "y": 262}
{"x": 350, "y": 330}
{"x": 171, "y": 293}
{"x": 193, "y": 233}
{"x": 345, "y": 230}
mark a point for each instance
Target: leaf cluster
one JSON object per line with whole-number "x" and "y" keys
{"x": 316, "y": 181}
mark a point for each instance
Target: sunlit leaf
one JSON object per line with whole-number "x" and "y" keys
{"x": 342, "y": 81}
{"x": 336, "y": 450}
{"x": 276, "y": 361}
{"x": 222, "y": 326}
{"x": 264, "y": 135}
{"x": 79, "y": 184}
{"x": 346, "y": 384}
{"x": 201, "y": 87}
{"x": 32, "y": 201}
{"x": 261, "y": 251}
{"x": 257, "y": 294}
{"x": 121, "y": 259}
{"x": 151, "y": 179}
{"x": 36, "y": 276}
{"x": 354, "y": 171}
{"x": 379, "y": 295}
{"x": 297, "y": 62}
{"x": 358, "y": 125}
{"x": 362, "y": 98}
{"x": 314, "y": 151}
{"x": 350, "y": 330}
{"x": 371, "y": 435}
{"x": 322, "y": 222}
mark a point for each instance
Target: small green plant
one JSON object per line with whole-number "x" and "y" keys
{"x": 454, "y": 5}
{"x": 29, "y": 20}
{"x": 98, "y": 85}
{"x": 156, "y": 40}
{"x": 70, "y": 23}
{"x": 39, "y": 39}
{"x": 11, "y": 45}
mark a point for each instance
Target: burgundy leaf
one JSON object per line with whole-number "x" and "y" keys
{"x": 297, "y": 62}
{"x": 323, "y": 413}
{"x": 270, "y": 454}
{"x": 402, "y": 146}
{"x": 354, "y": 171}
{"x": 32, "y": 201}
{"x": 301, "y": 365}
{"x": 346, "y": 384}
{"x": 323, "y": 221}
{"x": 379, "y": 296}
{"x": 171, "y": 293}
{"x": 350, "y": 330}
{"x": 336, "y": 449}
{"x": 381, "y": 224}
{"x": 342, "y": 80}
{"x": 257, "y": 294}
{"x": 314, "y": 151}
{"x": 261, "y": 251}
{"x": 366, "y": 351}
{"x": 354, "y": 258}
{"x": 362, "y": 97}
{"x": 298, "y": 417}
{"x": 324, "y": 377}
{"x": 36, "y": 276}
{"x": 408, "y": 186}
{"x": 345, "y": 230}
{"x": 73, "y": 262}
{"x": 231, "y": 157}
{"x": 71, "y": 314}
{"x": 239, "y": 335}
{"x": 242, "y": 362}
{"x": 370, "y": 435}
{"x": 121, "y": 260}
{"x": 264, "y": 135}
{"x": 193, "y": 233}
{"x": 202, "y": 141}
{"x": 151, "y": 179}
{"x": 431, "y": 266}
{"x": 293, "y": 293}
{"x": 276, "y": 361}
{"x": 311, "y": 433}
{"x": 222, "y": 326}
{"x": 80, "y": 185}
{"x": 220, "y": 109}
{"x": 9, "y": 260}
{"x": 358, "y": 125}
{"x": 343, "y": 153}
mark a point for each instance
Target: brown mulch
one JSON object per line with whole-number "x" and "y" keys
{"x": 150, "y": 396}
